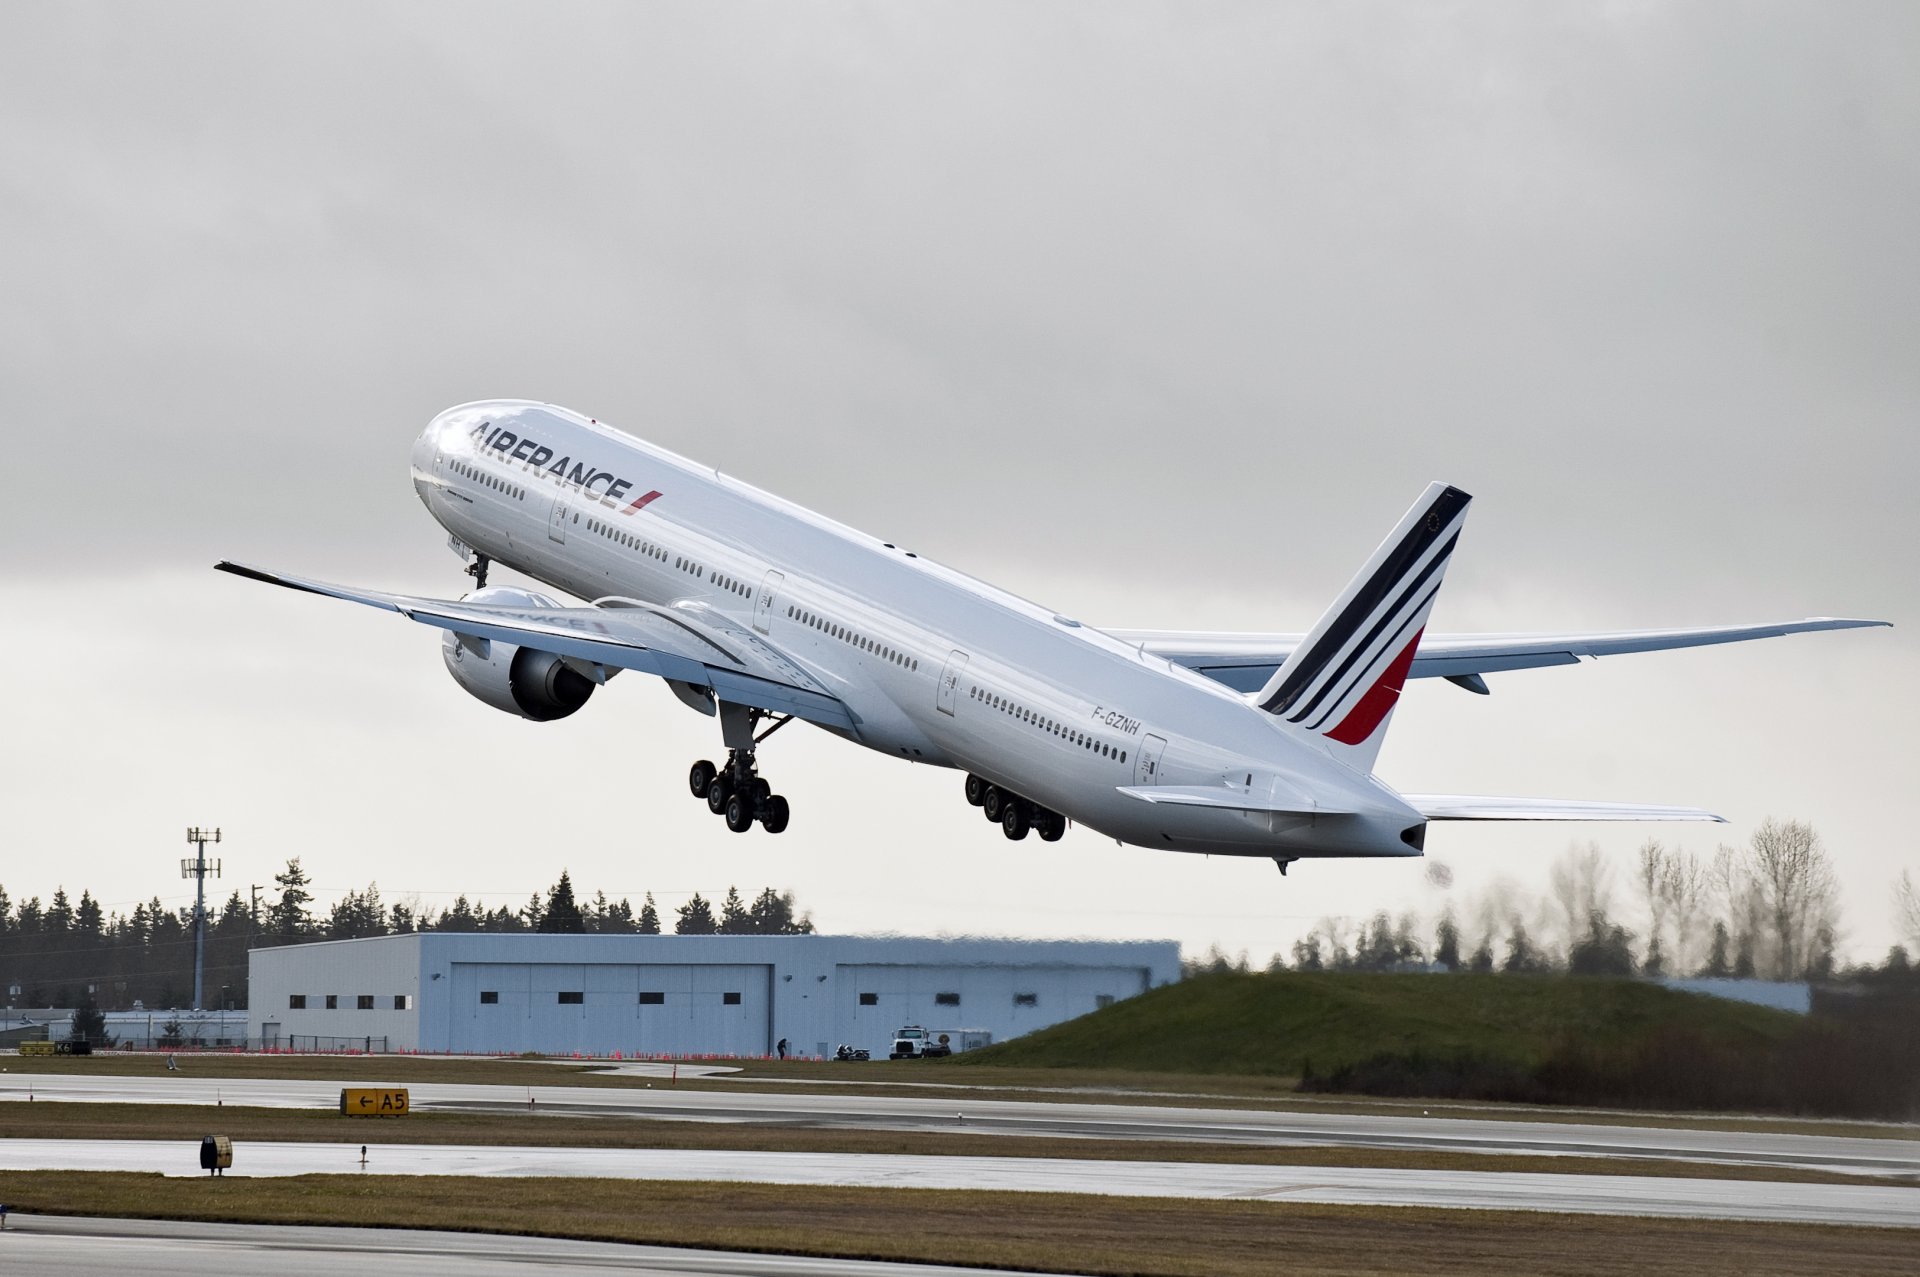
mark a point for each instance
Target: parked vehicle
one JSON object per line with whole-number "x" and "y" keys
{"x": 846, "y": 1052}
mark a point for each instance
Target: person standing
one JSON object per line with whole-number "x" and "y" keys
{"x": 782, "y": 1048}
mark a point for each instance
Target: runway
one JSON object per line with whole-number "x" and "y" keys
{"x": 1266, "y": 1127}
{"x": 1741, "y": 1200}
{"x": 164, "y": 1248}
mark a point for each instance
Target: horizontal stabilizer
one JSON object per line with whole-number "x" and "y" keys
{"x": 1478, "y": 807}
{"x": 1224, "y": 799}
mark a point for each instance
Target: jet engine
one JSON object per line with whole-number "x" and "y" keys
{"x": 520, "y": 680}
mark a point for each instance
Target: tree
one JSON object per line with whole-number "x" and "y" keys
{"x": 358, "y": 914}
{"x": 89, "y": 1024}
{"x": 460, "y": 917}
{"x": 1906, "y": 907}
{"x": 1650, "y": 876}
{"x": 1522, "y": 957}
{"x": 562, "y": 915}
{"x": 1798, "y": 894}
{"x": 288, "y": 918}
{"x": 733, "y": 915}
{"x": 772, "y": 915}
{"x": 1582, "y": 885}
{"x": 649, "y": 924}
{"x": 696, "y": 917}
{"x": 1446, "y": 942}
{"x": 1306, "y": 952}
{"x": 1719, "y": 964}
{"x": 1606, "y": 949}
{"x": 1684, "y": 887}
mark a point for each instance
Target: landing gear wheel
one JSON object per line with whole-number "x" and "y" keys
{"x": 1014, "y": 821}
{"x": 760, "y": 790}
{"x": 739, "y": 814}
{"x": 976, "y": 790}
{"x": 1052, "y": 826}
{"x": 718, "y": 794}
{"x": 700, "y": 779}
{"x": 992, "y": 803}
{"x": 773, "y": 818}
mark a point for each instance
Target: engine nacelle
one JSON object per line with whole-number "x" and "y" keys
{"x": 520, "y": 680}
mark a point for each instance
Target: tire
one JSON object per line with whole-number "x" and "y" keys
{"x": 775, "y": 819}
{"x": 760, "y": 790}
{"x": 1052, "y": 826}
{"x": 976, "y": 790}
{"x": 992, "y": 802}
{"x": 1014, "y": 820}
{"x": 718, "y": 793}
{"x": 700, "y": 779}
{"x": 739, "y": 814}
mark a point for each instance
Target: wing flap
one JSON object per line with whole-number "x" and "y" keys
{"x": 1482, "y": 807}
{"x": 680, "y": 645}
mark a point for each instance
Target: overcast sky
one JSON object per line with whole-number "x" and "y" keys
{"x": 1160, "y": 315}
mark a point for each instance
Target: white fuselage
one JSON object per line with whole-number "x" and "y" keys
{"x": 934, "y": 666}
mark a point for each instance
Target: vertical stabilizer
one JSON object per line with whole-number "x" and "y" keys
{"x": 1343, "y": 680}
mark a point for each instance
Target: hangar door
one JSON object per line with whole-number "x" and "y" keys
{"x": 601, "y": 1008}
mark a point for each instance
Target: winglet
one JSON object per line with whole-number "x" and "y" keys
{"x": 1343, "y": 680}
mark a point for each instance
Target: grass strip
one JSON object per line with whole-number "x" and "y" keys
{"x": 1048, "y": 1232}
{"x": 50, "y": 1120}
{"x": 880, "y": 1077}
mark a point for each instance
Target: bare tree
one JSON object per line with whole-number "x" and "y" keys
{"x": 1582, "y": 885}
{"x": 1651, "y": 877}
{"x": 1906, "y": 908}
{"x": 1684, "y": 887}
{"x": 1796, "y": 891}
{"x": 1737, "y": 898}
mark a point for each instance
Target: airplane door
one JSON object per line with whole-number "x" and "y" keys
{"x": 763, "y": 602}
{"x": 1146, "y": 770}
{"x": 557, "y": 521}
{"x": 949, "y": 690}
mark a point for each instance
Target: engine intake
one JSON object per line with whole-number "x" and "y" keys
{"x": 525, "y": 681}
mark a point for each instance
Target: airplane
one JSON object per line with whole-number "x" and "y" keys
{"x": 757, "y": 612}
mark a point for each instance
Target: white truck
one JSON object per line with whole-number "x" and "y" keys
{"x": 916, "y": 1043}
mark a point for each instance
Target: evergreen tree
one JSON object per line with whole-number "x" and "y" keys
{"x": 649, "y": 918}
{"x": 696, "y": 917}
{"x": 733, "y": 915}
{"x": 89, "y": 1024}
{"x": 87, "y": 919}
{"x": 1482, "y": 961}
{"x": 459, "y": 918}
{"x": 1717, "y": 963}
{"x": 1306, "y": 953}
{"x": 772, "y": 915}
{"x": 58, "y": 920}
{"x": 530, "y": 916}
{"x": 402, "y": 920}
{"x": 562, "y": 915}
{"x": 288, "y": 919}
{"x": 1446, "y": 946}
{"x": 1606, "y": 949}
{"x": 1522, "y": 957}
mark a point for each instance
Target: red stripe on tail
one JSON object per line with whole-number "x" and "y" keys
{"x": 1364, "y": 718}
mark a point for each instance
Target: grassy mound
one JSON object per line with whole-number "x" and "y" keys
{"x": 1293, "y": 1023}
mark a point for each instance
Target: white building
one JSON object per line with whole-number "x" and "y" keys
{"x": 679, "y": 995}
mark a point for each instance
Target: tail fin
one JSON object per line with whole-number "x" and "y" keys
{"x": 1342, "y": 681}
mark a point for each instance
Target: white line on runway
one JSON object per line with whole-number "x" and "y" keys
{"x": 1747, "y": 1200}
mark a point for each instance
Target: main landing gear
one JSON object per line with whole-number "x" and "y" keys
{"x": 1015, "y": 815}
{"x": 735, "y": 790}
{"x": 478, "y": 571}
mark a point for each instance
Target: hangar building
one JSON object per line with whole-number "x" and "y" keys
{"x": 679, "y": 995}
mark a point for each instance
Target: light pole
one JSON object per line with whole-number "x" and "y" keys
{"x": 197, "y": 869}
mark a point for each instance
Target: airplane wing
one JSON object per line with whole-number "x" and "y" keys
{"x": 683, "y": 645}
{"x": 1245, "y": 662}
{"x": 1475, "y": 807}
